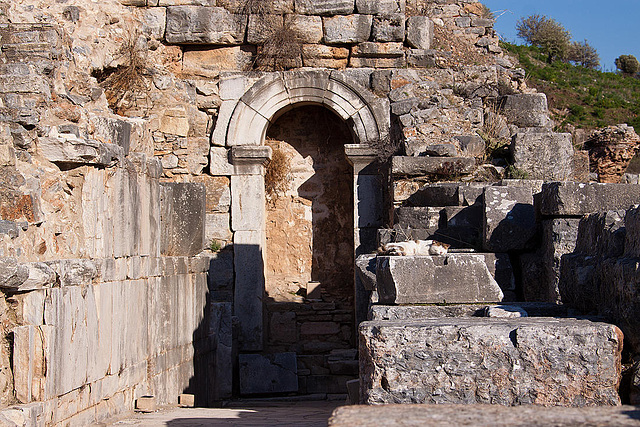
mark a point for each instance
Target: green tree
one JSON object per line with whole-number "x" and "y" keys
{"x": 545, "y": 33}
{"x": 627, "y": 64}
{"x": 582, "y": 53}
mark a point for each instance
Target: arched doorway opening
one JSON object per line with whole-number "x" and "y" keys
{"x": 309, "y": 235}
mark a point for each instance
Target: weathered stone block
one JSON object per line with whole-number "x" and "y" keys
{"x": 388, "y": 28}
{"x": 318, "y": 55}
{"x": 377, "y": 50}
{"x": 444, "y": 166}
{"x": 12, "y": 273}
{"x": 419, "y": 32}
{"x": 219, "y": 163}
{"x": 526, "y": 110}
{"x": 274, "y": 373}
{"x": 183, "y": 219}
{"x": 204, "y": 25}
{"x": 544, "y": 155}
{"x": 217, "y": 227}
{"x": 248, "y": 207}
{"x": 558, "y": 238}
{"x": 210, "y": 62}
{"x": 452, "y": 278}
{"x": 68, "y": 149}
{"x": 308, "y": 28}
{"x": 577, "y": 199}
{"x": 366, "y": 269}
{"x": 380, "y": 7}
{"x": 324, "y": 7}
{"x": 418, "y": 217}
{"x": 347, "y": 29}
{"x": 359, "y": 62}
{"x": 565, "y": 362}
{"x": 509, "y": 218}
{"x": 416, "y": 312}
{"x": 248, "y": 260}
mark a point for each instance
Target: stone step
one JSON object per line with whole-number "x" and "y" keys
{"x": 452, "y": 278}
{"x": 542, "y": 361}
{"x": 441, "y": 166}
{"x": 482, "y": 415}
{"x": 416, "y": 312}
{"x": 577, "y": 199}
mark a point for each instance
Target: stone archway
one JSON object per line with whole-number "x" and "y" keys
{"x": 367, "y": 117}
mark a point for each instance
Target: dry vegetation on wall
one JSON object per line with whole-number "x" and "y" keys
{"x": 127, "y": 83}
{"x": 277, "y": 172}
{"x": 281, "y": 50}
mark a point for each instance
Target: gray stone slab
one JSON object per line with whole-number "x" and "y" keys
{"x": 10, "y": 228}
{"x": 577, "y": 199}
{"x": 347, "y": 29}
{"x": 183, "y": 219}
{"x": 419, "y": 32}
{"x": 380, "y": 7}
{"x": 388, "y": 28}
{"x": 544, "y": 361}
{"x": 559, "y": 237}
{"x": 272, "y": 373}
{"x": 452, "y": 278}
{"x": 442, "y": 166}
{"x": 526, "y": 110}
{"x": 249, "y": 287}
{"x": 509, "y": 218}
{"x": 204, "y": 25}
{"x": 324, "y": 7}
{"x": 366, "y": 269}
{"x": 415, "y": 312}
{"x": 544, "y": 155}
{"x": 12, "y": 273}
{"x": 77, "y": 151}
{"x": 482, "y": 415}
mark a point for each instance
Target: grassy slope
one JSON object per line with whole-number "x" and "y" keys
{"x": 582, "y": 97}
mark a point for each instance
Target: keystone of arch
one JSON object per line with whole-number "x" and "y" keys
{"x": 276, "y": 93}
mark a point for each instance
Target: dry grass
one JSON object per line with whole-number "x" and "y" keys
{"x": 256, "y": 7}
{"x": 281, "y": 50}
{"x": 123, "y": 85}
{"x": 277, "y": 176}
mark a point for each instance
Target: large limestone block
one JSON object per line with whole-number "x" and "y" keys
{"x": 210, "y": 62}
{"x": 577, "y": 199}
{"x": 308, "y": 28}
{"x": 248, "y": 247}
{"x": 274, "y": 373}
{"x": 544, "y": 155}
{"x": 509, "y": 218}
{"x": 559, "y": 237}
{"x": 380, "y": 7}
{"x": 204, "y": 25}
{"x": 452, "y": 278}
{"x": 543, "y": 361}
{"x": 416, "y": 312}
{"x": 69, "y": 149}
{"x": 183, "y": 218}
{"x": 324, "y": 7}
{"x": 420, "y": 32}
{"x": 526, "y": 110}
{"x": 347, "y": 29}
{"x": 443, "y": 166}
{"x": 388, "y": 28}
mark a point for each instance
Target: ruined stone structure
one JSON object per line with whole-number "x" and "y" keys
{"x": 193, "y": 191}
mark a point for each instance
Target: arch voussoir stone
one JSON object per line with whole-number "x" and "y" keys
{"x": 278, "y": 92}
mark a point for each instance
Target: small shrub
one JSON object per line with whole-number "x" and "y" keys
{"x": 277, "y": 174}
{"x": 627, "y": 64}
{"x": 513, "y": 172}
{"x": 215, "y": 246}
{"x": 256, "y": 7}
{"x": 281, "y": 50}
{"x": 128, "y": 80}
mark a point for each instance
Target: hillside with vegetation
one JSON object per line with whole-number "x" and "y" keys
{"x": 580, "y": 97}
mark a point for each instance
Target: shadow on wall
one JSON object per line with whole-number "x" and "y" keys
{"x": 212, "y": 381}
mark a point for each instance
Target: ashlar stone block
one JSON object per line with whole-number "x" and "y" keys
{"x": 420, "y": 32}
{"x": 509, "y": 218}
{"x": 577, "y": 199}
{"x": 347, "y": 29}
{"x": 324, "y": 7}
{"x": 261, "y": 374}
{"x": 204, "y": 25}
{"x": 452, "y": 278}
{"x": 543, "y": 361}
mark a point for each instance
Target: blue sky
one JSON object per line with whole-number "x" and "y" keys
{"x": 609, "y": 26}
